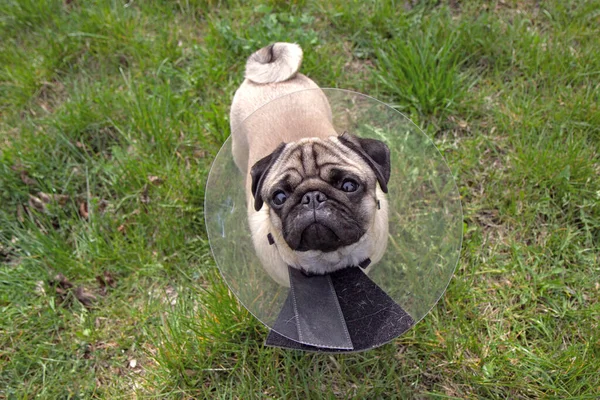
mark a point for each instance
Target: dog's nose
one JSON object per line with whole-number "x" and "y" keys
{"x": 313, "y": 199}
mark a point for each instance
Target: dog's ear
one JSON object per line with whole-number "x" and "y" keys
{"x": 374, "y": 152}
{"x": 258, "y": 173}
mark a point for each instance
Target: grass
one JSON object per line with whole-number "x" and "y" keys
{"x": 113, "y": 111}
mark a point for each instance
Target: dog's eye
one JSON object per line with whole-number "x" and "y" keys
{"x": 279, "y": 197}
{"x": 349, "y": 185}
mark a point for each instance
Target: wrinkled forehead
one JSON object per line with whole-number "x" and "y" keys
{"x": 316, "y": 158}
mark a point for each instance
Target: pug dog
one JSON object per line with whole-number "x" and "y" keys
{"x": 316, "y": 198}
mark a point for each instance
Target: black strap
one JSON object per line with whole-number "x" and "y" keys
{"x": 311, "y": 314}
{"x": 370, "y": 316}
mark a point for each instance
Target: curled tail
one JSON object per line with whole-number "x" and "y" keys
{"x": 275, "y": 63}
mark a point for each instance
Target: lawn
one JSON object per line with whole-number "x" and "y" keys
{"x": 111, "y": 113}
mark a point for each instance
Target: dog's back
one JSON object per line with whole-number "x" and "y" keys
{"x": 272, "y": 72}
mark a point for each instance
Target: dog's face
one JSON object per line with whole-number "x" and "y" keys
{"x": 321, "y": 195}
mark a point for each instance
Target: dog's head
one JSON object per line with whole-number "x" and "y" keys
{"x": 321, "y": 195}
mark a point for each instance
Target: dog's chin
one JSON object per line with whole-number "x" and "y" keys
{"x": 319, "y": 237}
{"x": 321, "y": 232}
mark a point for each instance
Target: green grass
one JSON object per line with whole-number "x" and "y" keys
{"x": 121, "y": 106}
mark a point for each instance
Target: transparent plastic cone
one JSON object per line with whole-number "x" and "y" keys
{"x": 425, "y": 216}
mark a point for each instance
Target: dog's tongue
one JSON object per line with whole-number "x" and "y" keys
{"x": 318, "y": 237}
